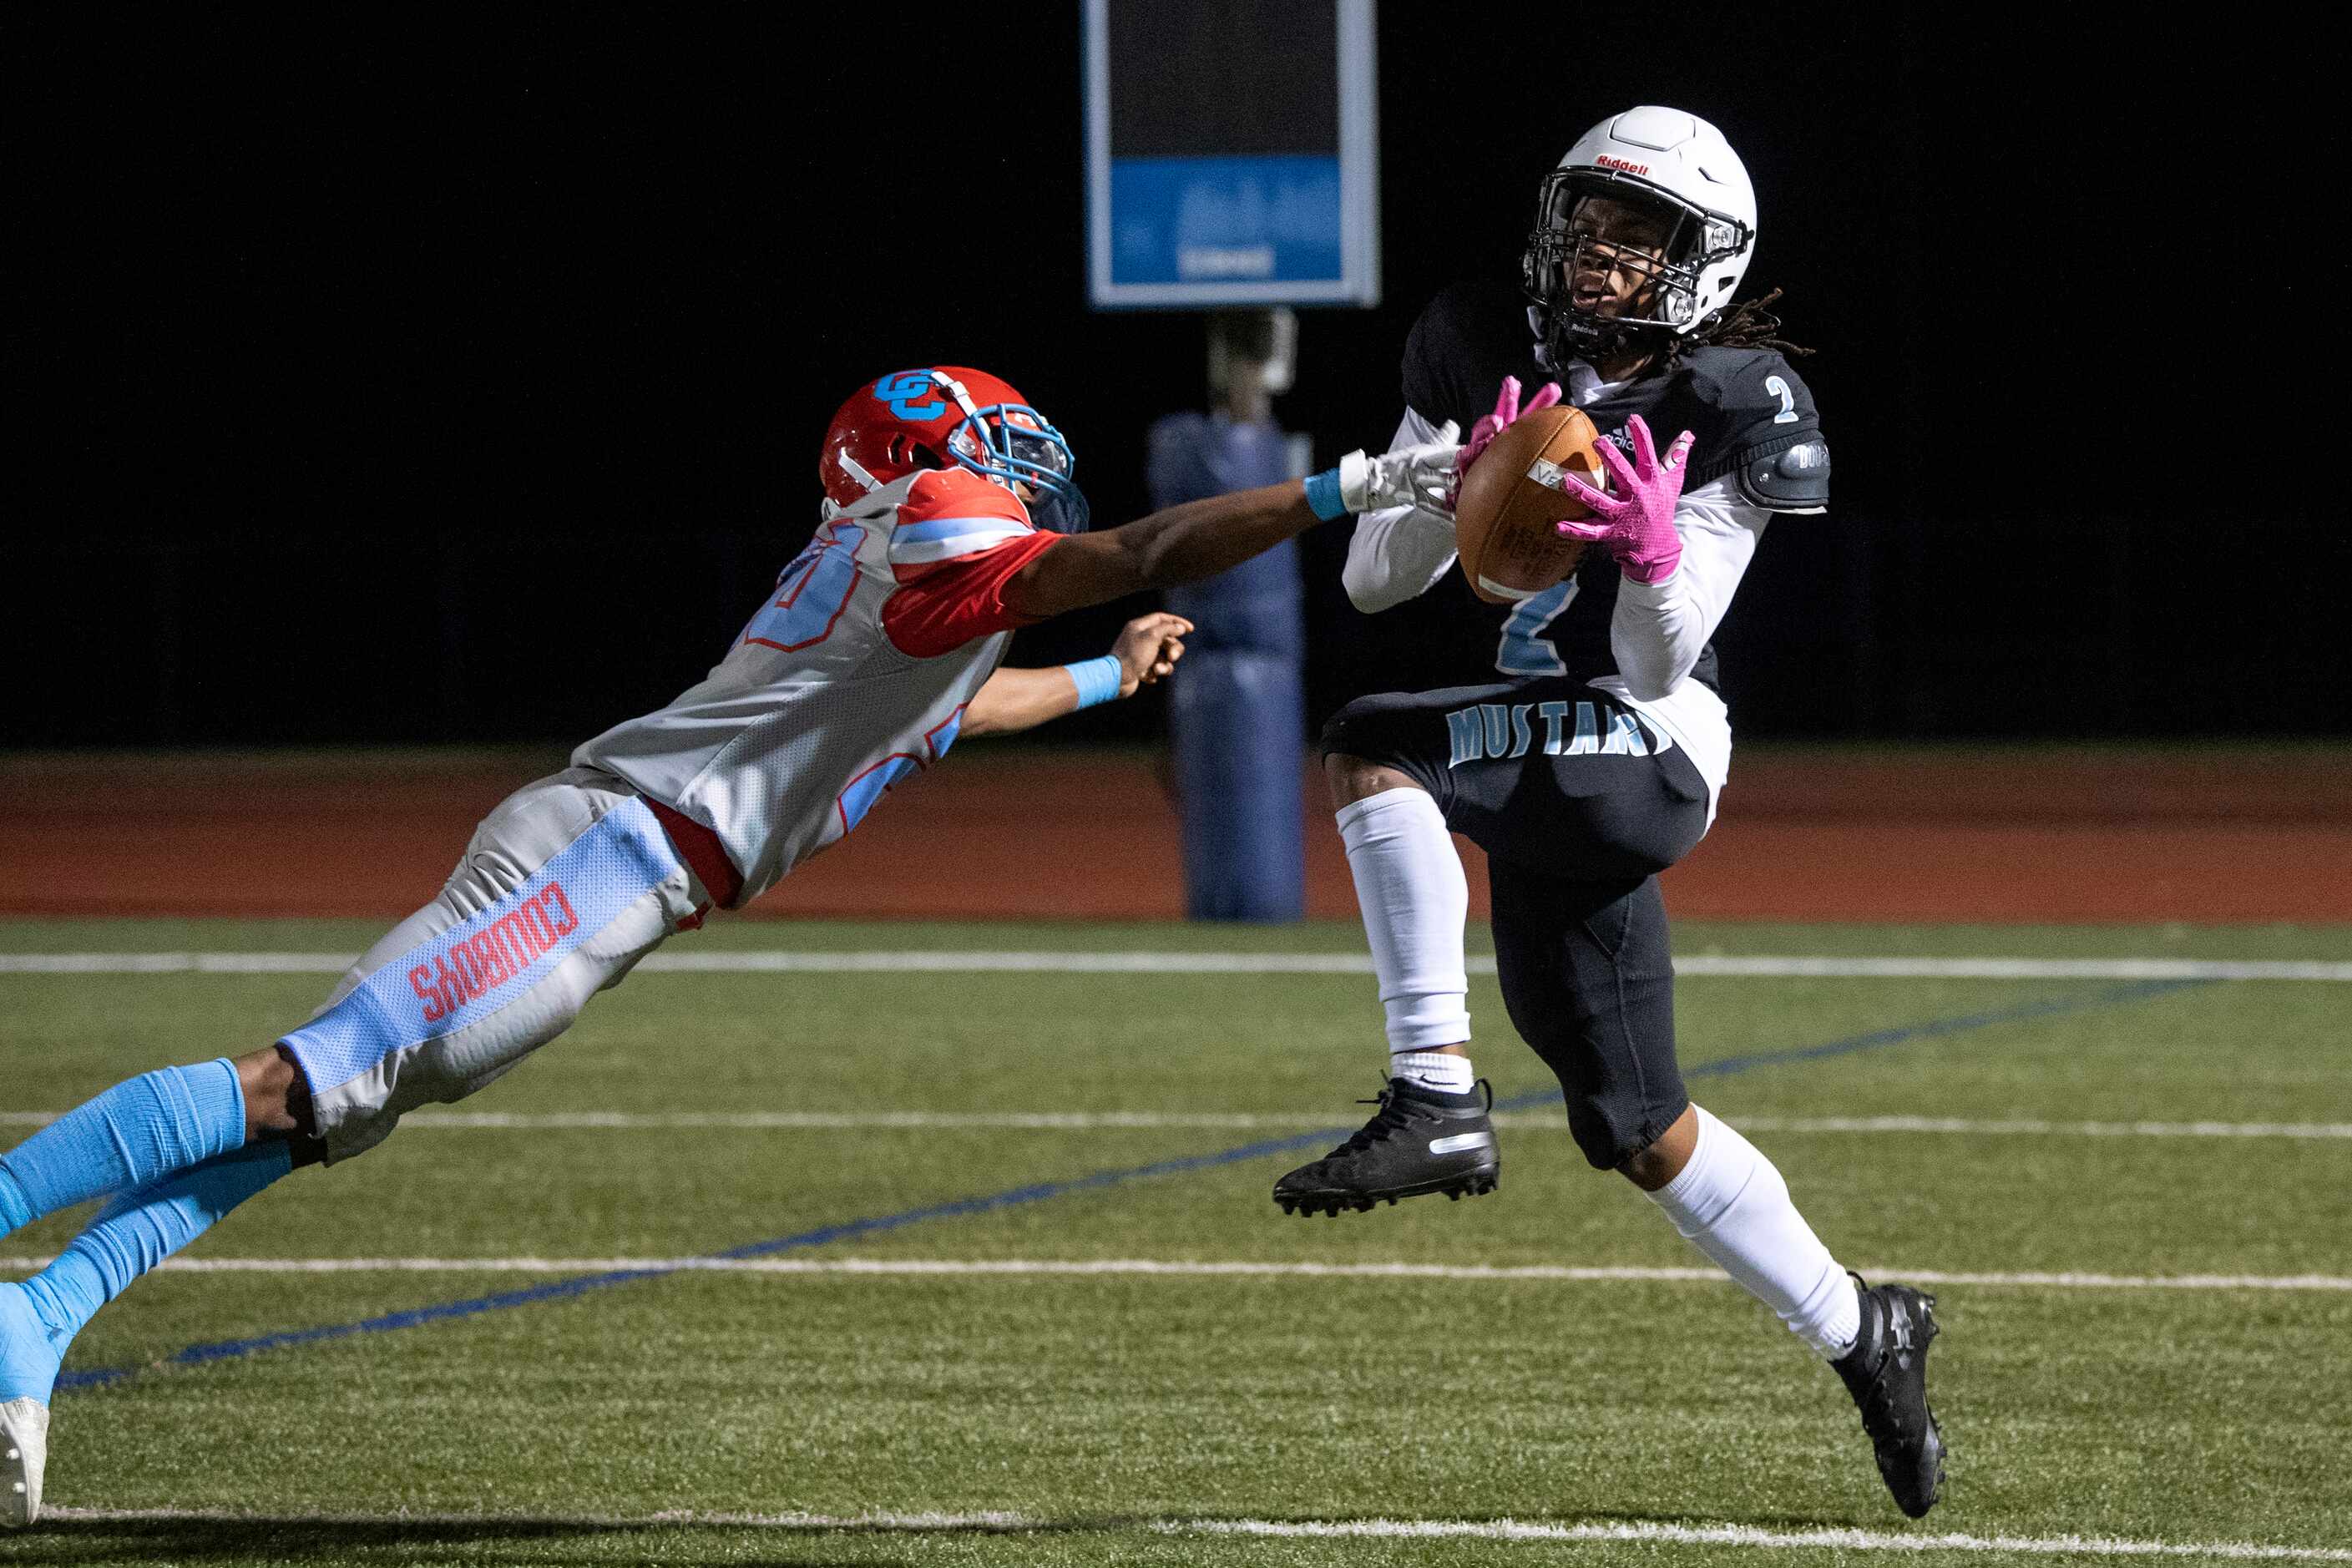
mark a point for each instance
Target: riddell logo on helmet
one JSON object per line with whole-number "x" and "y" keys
{"x": 1606, "y": 161}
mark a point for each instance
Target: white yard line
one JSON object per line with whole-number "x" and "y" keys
{"x": 1026, "y": 1267}
{"x": 2015, "y": 968}
{"x": 1250, "y": 1121}
{"x": 753, "y": 962}
{"x": 1644, "y": 1533}
{"x": 2023, "y": 1126}
{"x": 978, "y": 1523}
{"x": 1742, "y": 1535}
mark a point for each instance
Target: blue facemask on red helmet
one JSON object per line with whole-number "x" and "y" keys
{"x": 935, "y": 418}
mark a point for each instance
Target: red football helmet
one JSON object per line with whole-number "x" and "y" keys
{"x": 943, "y": 417}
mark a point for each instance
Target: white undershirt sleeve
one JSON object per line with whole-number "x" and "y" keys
{"x": 1395, "y": 554}
{"x": 1659, "y": 629}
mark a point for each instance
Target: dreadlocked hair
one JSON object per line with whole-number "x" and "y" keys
{"x": 1746, "y": 325}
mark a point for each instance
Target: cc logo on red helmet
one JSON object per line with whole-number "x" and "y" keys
{"x": 901, "y": 391}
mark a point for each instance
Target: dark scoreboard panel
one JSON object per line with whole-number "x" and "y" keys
{"x": 1231, "y": 148}
{"x": 1227, "y": 78}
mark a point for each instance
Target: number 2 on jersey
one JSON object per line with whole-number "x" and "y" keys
{"x": 1525, "y": 649}
{"x": 811, "y": 593}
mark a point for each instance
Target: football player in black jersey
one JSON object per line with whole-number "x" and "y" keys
{"x": 1596, "y": 763}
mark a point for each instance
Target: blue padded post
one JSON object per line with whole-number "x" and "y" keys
{"x": 1237, "y": 706}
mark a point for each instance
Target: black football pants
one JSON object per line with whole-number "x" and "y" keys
{"x": 1578, "y": 808}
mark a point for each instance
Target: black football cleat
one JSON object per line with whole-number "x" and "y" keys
{"x": 1420, "y": 1141}
{"x": 1886, "y": 1372}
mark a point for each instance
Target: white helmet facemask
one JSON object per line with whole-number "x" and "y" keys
{"x": 1663, "y": 160}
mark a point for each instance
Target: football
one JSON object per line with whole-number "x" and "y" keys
{"x": 1503, "y": 515}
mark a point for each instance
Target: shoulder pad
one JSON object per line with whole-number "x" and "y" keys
{"x": 1794, "y": 478}
{"x": 1469, "y": 337}
{"x": 1429, "y": 353}
{"x": 950, "y": 512}
{"x": 959, "y": 492}
{"x": 1760, "y": 392}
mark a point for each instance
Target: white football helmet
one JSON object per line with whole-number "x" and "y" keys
{"x": 1666, "y": 159}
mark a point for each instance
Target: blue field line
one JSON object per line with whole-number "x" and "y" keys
{"x": 1036, "y": 1191}
{"x": 2114, "y": 996}
{"x": 1902, "y": 1034}
{"x": 1040, "y": 1191}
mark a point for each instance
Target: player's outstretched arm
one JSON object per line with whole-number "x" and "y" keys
{"x": 1202, "y": 538}
{"x": 1145, "y": 651}
{"x": 1399, "y": 553}
{"x": 1198, "y": 539}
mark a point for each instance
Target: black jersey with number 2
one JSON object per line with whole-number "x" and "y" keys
{"x": 1751, "y": 415}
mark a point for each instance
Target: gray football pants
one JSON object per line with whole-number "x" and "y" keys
{"x": 564, "y": 887}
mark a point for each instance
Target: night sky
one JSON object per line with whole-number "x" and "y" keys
{"x": 454, "y": 385}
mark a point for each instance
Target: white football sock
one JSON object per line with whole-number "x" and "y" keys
{"x": 1732, "y": 1205}
{"x": 1414, "y": 898}
{"x": 1440, "y": 1070}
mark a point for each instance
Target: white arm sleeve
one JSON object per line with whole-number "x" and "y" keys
{"x": 1659, "y": 629}
{"x": 1398, "y": 553}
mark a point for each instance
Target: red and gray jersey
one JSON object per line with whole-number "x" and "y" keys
{"x": 852, "y": 678}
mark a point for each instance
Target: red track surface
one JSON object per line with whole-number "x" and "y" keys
{"x": 1929, "y": 836}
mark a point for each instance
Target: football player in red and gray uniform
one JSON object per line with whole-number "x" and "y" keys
{"x": 951, "y": 517}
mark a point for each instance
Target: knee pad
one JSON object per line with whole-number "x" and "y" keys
{"x": 1604, "y": 1142}
{"x": 1339, "y": 737}
{"x": 1609, "y": 1132}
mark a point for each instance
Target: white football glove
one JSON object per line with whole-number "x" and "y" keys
{"x": 1420, "y": 476}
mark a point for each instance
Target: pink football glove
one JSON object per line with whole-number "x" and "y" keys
{"x": 1637, "y": 522}
{"x": 1507, "y": 409}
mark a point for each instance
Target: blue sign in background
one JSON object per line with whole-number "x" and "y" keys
{"x": 1257, "y": 219}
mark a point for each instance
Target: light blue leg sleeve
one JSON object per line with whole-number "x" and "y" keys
{"x": 133, "y": 1235}
{"x": 135, "y": 1134}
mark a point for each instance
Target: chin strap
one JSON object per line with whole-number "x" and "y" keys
{"x": 1560, "y": 343}
{"x": 857, "y": 472}
{"x": 955, "y": 389}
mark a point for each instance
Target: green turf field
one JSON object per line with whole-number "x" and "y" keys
{"x": 944, "y": 1404}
